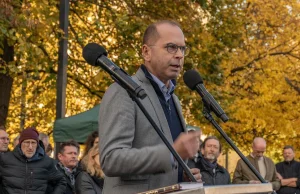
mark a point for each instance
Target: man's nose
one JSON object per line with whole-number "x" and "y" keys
{"x": 179, "y": 53}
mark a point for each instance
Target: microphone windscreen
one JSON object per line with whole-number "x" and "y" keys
{"x": 91, "y": 52}
{"x": 191, "y": 78}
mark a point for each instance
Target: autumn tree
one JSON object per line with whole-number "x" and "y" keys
{"x": 246, "y": 52}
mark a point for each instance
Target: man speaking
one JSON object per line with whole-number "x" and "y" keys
{"x": 133, "y": 157}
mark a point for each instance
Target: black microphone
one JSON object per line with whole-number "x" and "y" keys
{"x": 194, "y": 81}
{"x": 95, "y": 55}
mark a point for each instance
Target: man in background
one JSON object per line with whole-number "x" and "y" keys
{"x": 212, "y": 173}
{"x": 68, "y": 163}
{"x": 4, "y": 140}
{"x": 45, "y": 139}
{"x": 264, "y": 165}
{"x": 288, "y": 172}
{"x": 27, "y": 169}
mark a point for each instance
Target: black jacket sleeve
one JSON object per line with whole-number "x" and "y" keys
{"x": 84, "y": 184}
{"x": 57, "y": 180}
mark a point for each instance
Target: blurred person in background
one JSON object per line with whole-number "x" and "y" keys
{"x": 91, "y": 141}
{"x": 264, "y": 165}
{"x": 4, "y": 140}
{"x": 68, "y": 163}
{"x": 91, "y": 179}
{"x": 16, "y": 141}
{"x": 45, "y": 139}
{"x": 27, "y": 169}
{"x": 288, "y": 172}
{"x": 49, "y": 150}
{"x": 212, "y": 173}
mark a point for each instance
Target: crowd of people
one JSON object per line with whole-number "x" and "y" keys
{"x": 131, "y": 157}
{"x": 29, "y": 163}
{"x": 284, "y": 176}
{"x": 29, "y": 169}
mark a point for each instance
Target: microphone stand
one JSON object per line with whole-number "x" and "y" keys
{"x": 206, "y": 112}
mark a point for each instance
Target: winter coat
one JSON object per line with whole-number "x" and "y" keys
{"x": 216, "y": 175}
{"x": 30, "y": 176}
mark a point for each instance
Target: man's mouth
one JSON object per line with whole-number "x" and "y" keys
{"x": 176, "y": 66}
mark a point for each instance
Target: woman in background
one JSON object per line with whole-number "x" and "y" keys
{"x": 91, "y": 179}
{"x": 91, "y": 141}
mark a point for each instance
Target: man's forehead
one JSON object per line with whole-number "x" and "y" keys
{"x": 212, "y": 142}
{"x": 260, "y": 147}
{"x": 70, "y": 148}
{"x": 288, "y": 150}
{"x": 3, "y": 133}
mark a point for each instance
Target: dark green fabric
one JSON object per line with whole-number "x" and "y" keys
{"x": 77, "y": 127}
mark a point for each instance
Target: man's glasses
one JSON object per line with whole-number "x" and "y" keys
{"x": 28, "y": 143}
{"x": 173, "y": 48}
{"x": 4, "y": 138}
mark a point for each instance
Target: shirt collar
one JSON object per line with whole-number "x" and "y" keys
{"x": 162, "y": 86}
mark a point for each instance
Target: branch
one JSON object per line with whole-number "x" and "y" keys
{"x": 76, "y": 35}
{"x": 289, "y": 82}
{"x": 52, "y": 71}
{"x": 249, "y": 65}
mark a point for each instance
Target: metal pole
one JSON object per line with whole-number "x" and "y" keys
{"x": 64, "y": 8}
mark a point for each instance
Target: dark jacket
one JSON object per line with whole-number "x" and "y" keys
{"x": 70, "y": 189}
{"x": 31, "y": 176}
{"x": 86, "y": 184}
{"x": 212, "y": 175}
{"x": 289, "y": 170}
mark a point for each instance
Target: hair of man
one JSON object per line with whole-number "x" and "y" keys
{"x": 288, "y": 147}
{"x": 68, "y": 143}
{"x": 211, "y": 137}
{"x": 151, "y": 34}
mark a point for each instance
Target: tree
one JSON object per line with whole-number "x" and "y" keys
{"x": 246, "y": 51}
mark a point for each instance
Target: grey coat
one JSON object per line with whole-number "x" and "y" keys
{"x": 132, "y": 155}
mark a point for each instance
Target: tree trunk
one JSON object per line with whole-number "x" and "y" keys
{"x": 5, "y": 80}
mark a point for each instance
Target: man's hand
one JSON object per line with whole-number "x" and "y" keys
{"x": 290, "y": 182}
{"x": 254, "y": 182}
{"x": 196, "y": 174}
{"x": 279, "y": 176}
{"x": 187, "y": 144}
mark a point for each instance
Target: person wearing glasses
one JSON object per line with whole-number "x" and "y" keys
{"x": 4, "y": 140}
{"x": 27, "y": 169}
{"x": 132, "y": 155}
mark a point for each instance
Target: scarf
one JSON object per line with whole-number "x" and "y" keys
{"x": 208, "y": 164}
{"x": 69, "y": 173}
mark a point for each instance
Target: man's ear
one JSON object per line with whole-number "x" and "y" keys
{"x": 146, "y": 52}
{"x": 59, "y": 156}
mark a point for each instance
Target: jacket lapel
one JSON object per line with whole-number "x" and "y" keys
{"x": 155, "y": 104}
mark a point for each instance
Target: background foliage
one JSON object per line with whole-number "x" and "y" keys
{"x": 246, "y": 51}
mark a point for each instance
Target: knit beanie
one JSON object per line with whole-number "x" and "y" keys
{"x": 29, "y": 133}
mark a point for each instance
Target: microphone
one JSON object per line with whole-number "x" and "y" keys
{"x": 194, "y": 81}
{"x": 95, "y": 55}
